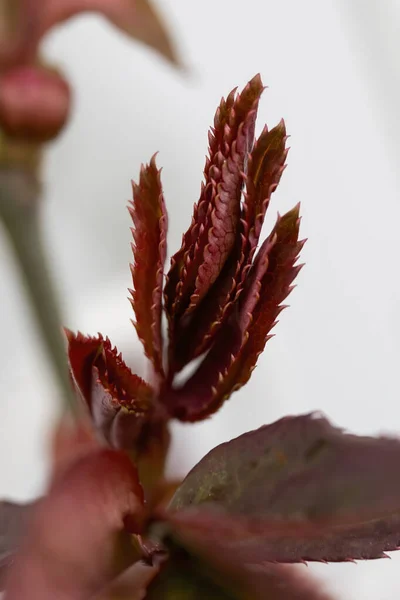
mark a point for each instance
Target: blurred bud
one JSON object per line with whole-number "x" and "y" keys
{"x": 34, "y": 103}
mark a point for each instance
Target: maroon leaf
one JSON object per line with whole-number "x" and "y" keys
{"x": 265, "y": 166}
{"x": 121, "y": 405}
{"x": 149, "y": 232}
{"x": 77, "y": 538}
{"x": 212, "y": 234}
{"x": 216, "y": 140}
{"x": 96, "y": 365}
{"x": 231, "y": 360}
{"x": 296, "y": 490}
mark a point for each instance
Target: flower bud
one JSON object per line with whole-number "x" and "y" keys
{"x": 34, "y": 103}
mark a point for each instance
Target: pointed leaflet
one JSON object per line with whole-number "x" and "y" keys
{"x": 212, "y": 234}
{"x": 298, "y": 489}
{"x": 274, "y": 289}
{"x": 77, "y": 539}
{"x": 242, "y": 338}
{"x": 149, "y": 249}
{"x": 266, "y": 164}
{"x": 121, "y": 404}
{"x": 199, "y": 210}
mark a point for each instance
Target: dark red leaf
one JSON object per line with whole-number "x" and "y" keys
{"x": 121, "y": 405}
{"x": 216, "y": 141}
{"x": 296, "y": 490}
{"x": 149, "y": 249}
{"x": 265, "y": 166}
{"x": 212, "y": 235}
{"x": 229, "y": 363}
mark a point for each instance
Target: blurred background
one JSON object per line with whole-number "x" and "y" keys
{"x": 333, "y": 72}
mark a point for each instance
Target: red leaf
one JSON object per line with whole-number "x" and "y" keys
{"x": 229, "y": 363}
{"x": 193, "y": 336}
{"x": 213, "y": 231}
{"x": 149, "y": 232}
{"x": 216, "y": 141}
{"x": 76, "y": 541}
{"x": 266, "y": 165}
{"x": 271, "y": 289}
{"x": 121, "y": 405}
{"x": 296, "y": 490}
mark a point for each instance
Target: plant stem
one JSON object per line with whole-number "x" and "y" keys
{"x": 19, "y": 210}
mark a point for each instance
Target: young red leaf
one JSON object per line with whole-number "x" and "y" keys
{"x": 149, "y": 249}
{"x": 121, "y": 405}
{"x": 216, "y": 141}
{"x": 296, "y": 490}
{"x": 271, "y": 289}
{"x": 229, "y": 363}
{"x": 266, "y": 165}
{"x": 213, "y": 231}
{"x": 77, "y": 538}
{"x": 193, "y": 336}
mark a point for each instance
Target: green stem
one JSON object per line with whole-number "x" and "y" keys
{"x": 19, "y": 210}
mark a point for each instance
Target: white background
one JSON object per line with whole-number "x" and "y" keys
{"x": 332, "y": 69}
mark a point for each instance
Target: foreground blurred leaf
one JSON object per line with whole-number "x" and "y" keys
{"x": 298, "y": 489}
{"x": 77, "y": 538}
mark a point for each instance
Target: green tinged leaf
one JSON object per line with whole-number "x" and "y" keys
{"x": 298, "y": 489}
